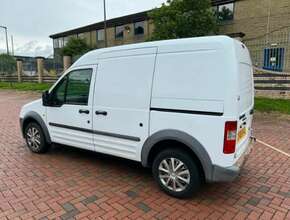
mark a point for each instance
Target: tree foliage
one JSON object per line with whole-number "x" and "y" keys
{"x": 182, "y": 19}
{"x": 75, "y": 47}
{"x": 7, "y": 64}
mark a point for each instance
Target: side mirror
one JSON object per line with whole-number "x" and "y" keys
{"x": 46, "y": 99}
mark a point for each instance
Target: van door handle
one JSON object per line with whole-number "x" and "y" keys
{"x": 82, "y": 111}
{"x": 101, "y": 113}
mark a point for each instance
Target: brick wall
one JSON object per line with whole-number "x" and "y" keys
{"x": 251, "y": 17}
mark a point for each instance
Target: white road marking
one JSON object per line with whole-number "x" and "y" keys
{"x": 273, "y": 148}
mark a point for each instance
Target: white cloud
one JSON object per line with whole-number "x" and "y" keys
{"x": 34, "y": 48}
{"x": 34, "y": 20}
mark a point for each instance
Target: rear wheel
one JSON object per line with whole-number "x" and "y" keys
{"x": 176, "y": 173}
{"x": 35, "y": 139}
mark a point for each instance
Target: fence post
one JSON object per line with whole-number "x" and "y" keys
{"x": 19, "y": 69}
{"x": 39, "y": 61}
{"x": 67, "y": 60}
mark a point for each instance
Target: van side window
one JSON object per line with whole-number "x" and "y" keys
{"x": 60, "y": 92}
{"x": 78, "y": 87}
{"x": 74, "y": 88}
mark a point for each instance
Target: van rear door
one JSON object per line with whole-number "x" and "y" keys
{"x": 246, "y": 88}
{"x": 246, "y": 97}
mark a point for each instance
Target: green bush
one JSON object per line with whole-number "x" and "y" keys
{"x": 7, "y": 64}
{"x": 75, "y": 47}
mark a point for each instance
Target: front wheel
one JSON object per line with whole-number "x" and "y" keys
{"x": 176, "y": 173}
{"x": 35, "y": 139}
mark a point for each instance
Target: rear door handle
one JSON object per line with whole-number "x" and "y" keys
{"x": 252, "y": 111}
{"x": 101, "y": 113}
{"x": 83, "y": 111}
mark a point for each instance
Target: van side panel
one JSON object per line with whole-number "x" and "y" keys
{"x": 207, "y": 130}
{"x": 123, "y": 90}
{"x": 195, "y": 91}
{"x": 190, "y": 80}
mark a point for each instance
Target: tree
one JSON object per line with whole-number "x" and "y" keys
{"x": 183, "y": 18}
{"x": 75, "y": 47}
{"x": 7, "y": 64}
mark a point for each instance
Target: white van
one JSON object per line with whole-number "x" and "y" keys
{"x": 182, "y": 107}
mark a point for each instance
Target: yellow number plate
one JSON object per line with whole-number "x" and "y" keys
{"x": 242, "y": 133}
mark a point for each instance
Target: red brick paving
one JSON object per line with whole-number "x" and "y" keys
{"x": 278, "y": 127}
{"x": 69, "y": 183}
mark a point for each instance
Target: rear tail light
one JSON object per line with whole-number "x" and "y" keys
{"x": 230, "y": 137}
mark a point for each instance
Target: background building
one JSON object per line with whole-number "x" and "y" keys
{"x": 123, "y": 30}
{"x": 256, "y": 18}
{"x": 263, "y": 24}
{"x": 266, "y": 25}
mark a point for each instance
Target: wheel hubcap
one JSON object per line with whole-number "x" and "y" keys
{"x": 33, "y": 138}
{"x": 174, "y": 174}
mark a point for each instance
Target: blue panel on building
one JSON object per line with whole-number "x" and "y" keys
{"x": 274, "y": 59}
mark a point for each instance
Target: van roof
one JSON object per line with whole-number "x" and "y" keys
{"x": 184, "y": 44}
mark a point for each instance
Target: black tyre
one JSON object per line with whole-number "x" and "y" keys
{"x": 177, "y": 173}
{"x": 35, "y": 139}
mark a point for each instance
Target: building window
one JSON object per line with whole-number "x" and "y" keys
{"x": 139, "y": 28}
{"x": 119, "y": 32}
{"x": 60, "y": 42}
{"x": 225, "y": 12}
{"x": 65, "y": 40}
{"x": 81, "y": 36}
{"x": 100, "y": 35}
{"x": 55, "y": 43}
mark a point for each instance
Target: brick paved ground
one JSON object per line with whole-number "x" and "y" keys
{"x": 69, "y": 183}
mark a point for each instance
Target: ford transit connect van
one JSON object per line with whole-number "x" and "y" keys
{"x": 182, "y": 107}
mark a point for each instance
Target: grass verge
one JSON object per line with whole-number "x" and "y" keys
{"x": 25, "y": 86}
{"x": 272, "y": 105}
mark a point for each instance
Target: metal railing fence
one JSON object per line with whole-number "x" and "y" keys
{"x": 272, "y": 51}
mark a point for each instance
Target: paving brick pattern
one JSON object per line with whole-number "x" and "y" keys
{"x": 274, "y": 130}
{"x": 68, "y": 183}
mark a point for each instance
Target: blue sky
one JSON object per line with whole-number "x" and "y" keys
{"x": 32, "y": 21}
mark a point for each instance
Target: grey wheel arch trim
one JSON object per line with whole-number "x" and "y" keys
{"x": 194, "y": 145}
{"x": 39, "y": 120}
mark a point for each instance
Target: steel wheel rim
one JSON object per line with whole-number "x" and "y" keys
{"x": 174, "y": 174}
{"x": 33, "y": 138}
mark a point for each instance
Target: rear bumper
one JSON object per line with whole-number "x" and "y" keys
{"x": 228, "y": 174}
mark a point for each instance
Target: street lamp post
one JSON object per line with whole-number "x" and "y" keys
{"x": 5, "y": 28}
{"x": 105, "y": 24}
{"x": 12, "y": 45}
